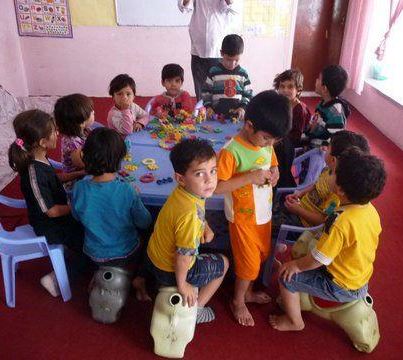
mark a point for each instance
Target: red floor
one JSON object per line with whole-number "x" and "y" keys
{"x": 41, "y": 327}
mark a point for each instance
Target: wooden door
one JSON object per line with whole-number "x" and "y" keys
{"x": 318, "y": 36}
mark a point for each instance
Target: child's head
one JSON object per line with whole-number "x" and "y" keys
{"x": 172, "y": 76}
{"x": 359, "y": 177}
{"x": 123, "y": 90}
{"x": 73, "y": 113}
{"x": 331, "y": 81}
{"x": 231, "y": 51}
{"x": 195, "y": 166}
{"x": 341, "y": 141}
{"x": 267, "y": 118}
{"x": 34, "y": 129}
{"x": 289, "y": 83}
{"x": 103, "y": 151}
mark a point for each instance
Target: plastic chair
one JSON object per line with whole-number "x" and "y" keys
{"x": 282, "y": 239}
{"x": 197, "y": 108}
{"x": 316, "y": 164}
{"x": 56, "y": 164}
{"x": 21, "y": 245}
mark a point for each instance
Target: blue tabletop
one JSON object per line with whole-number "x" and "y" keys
{"x": 142, "y": 146}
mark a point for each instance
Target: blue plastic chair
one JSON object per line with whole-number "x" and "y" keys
{"x": 282, "y": 239}
{"x": 21, "y": 245}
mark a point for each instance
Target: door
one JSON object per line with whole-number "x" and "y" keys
{"x": 318, "y": 37}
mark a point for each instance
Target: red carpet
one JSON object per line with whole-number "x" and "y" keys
{"x": 41, "y": 327}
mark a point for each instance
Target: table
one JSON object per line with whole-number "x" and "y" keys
{"x": 142, "y": 145}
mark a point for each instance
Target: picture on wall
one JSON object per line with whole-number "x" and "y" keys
{"x": 49, "y": 18}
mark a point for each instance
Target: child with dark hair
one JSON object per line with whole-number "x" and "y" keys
{"x": 173, "y": 250}
{"x": 110, "y": 210}
{"x": 174, "y": 98}
{"x": 125, "y": 116}
{"x": 341, "y": 265}
{"x": 74, "y": 115}
{"x": 332, "y": 112}
{"x": 290, "y": 84}
{"x": 227, "y": 89}
{"x": 247, "y": 172}
{"x": 312, "y": 205}
{"x": 48, "y": 209}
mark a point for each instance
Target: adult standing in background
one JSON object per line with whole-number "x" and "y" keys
{"x": 208, "y": 26}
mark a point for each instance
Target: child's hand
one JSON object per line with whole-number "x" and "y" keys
{"x": 293, "y": 198}
{"x": 259, "y": 177}
{"x": 275, "y": 175}
{"x": 137, "y": 127}
{"x": 189, "y": 294}
{"x": 240, "y": 113}
{"x": 292, "y": 206}
{"x": 208, "y": 234}
{"x": 288, "y": 269}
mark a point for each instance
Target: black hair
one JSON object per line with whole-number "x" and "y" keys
{"x": 103, "y": 151}
{"x": 121, "y": 81}
{"x": 292, "y": 75}
{"x": 334, "y": 77}
{"x": 232, "y": 45}
{"x": 360, "y": 176}
{"x": 270, "y": 112}
{"x": 170, "y": 71}
{"x": 344, "y": 139}
{"x": 188, "y": 150}
{"x": 30, "y": 127}
{"x": 70, "y": 112}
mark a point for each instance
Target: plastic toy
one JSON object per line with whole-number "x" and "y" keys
{"x": 172, "y": 324}
{"x": 357, "y": 318}
{"x": 164, "y": 180}
{"x": 148, "y": 161}
{"x": 147, "y": 178}
{"x": 109, "y": 290}
{"x": 131, "y": 167}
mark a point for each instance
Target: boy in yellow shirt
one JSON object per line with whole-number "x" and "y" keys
{"x": 341, "y": 264}
{"x": 247, "y": 171}
{"x": 173, "y": 250}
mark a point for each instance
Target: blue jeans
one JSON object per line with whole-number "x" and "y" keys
{"x": 319, "y": 283}
{"x": 206, "y": 268}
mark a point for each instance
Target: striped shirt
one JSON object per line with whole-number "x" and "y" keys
{"x": 226, "y": 89}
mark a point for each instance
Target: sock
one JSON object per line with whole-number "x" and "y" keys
{"x": 204, "y": 315}
{"x": 49, "y": 282}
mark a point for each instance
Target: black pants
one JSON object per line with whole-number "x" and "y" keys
{"x": 285, "y": 156}
{"x": 200, "y": 67}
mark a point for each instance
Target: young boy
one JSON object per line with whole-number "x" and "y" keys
{"x": 174, "y": 98}
{"x": 227, "y": 89}
{"x": 332, "y": 112}
{"x": 311, "y": 206}
{"x": 247, "y": 171}
{"x": 341, "y": 264}
{"x": 173, "y": 250}
{"x": 125, "y": 116}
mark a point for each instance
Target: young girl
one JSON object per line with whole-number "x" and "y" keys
{"x": 74, "y": 116}
{"x": 48, "y": 210}
{"x": 126, "y": 116}
{"x": 110, "y": 210}
{"x": 290, "y": 84}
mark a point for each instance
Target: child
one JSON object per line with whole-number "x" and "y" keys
{"x": 110, "y": 210}
{"x": 48, "y": 210}
{"x": 174, "y": 99}
{"x": 126, "y": 116}
{"x": 74, "y": 115}
{"x": 173, "y": 250}
{"x": 290, "y": 84}
{"x": 227, "y": 89}
{"x": 341, "y": 264}
{"x": 312, "y": 205}
{"x": 247, "y": 171}
{"x": 332, "y": 112}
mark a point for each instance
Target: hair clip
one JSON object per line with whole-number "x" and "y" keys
{"x": 20, "y": 143}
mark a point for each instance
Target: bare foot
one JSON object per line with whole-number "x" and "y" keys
{"x": 284, "y": 323}
{"x": 49, "y": 282}
{"x": 242, "y": 314}
{"x": 139, "y": 285}
{"x": 259, "y": 297}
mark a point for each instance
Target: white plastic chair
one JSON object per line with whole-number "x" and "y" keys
{"x": 21, "y": 245}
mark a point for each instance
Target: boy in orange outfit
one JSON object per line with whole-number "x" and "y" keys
{"x": 247, "y": 171}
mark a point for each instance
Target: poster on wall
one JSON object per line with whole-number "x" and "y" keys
{"x": 49, "y": 18}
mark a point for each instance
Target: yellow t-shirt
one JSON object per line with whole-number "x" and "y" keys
{"x": 348, "y": 245}
{"x": 320, "y": 197}
{"x": 179, "y": 228}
